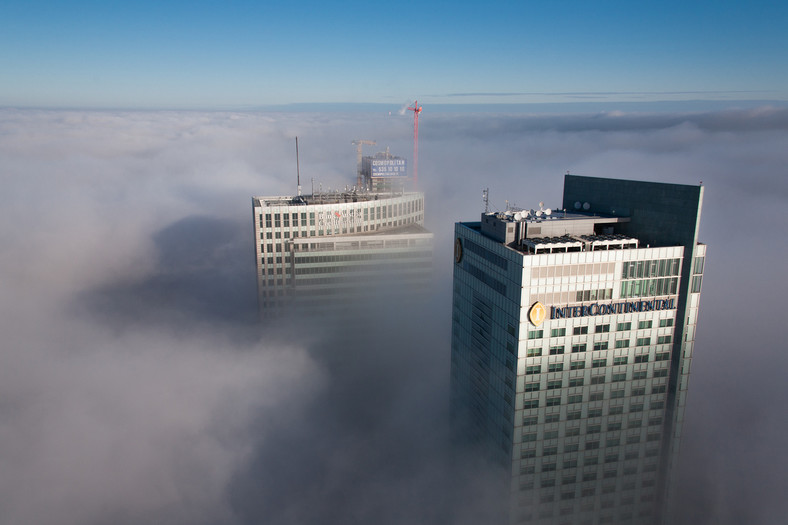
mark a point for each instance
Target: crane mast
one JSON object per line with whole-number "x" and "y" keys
{"x": 416, "y": 109}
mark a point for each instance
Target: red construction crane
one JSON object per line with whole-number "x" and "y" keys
{"x": 416, "y": 109}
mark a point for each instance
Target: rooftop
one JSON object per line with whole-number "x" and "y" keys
{"x": 331, "y": 197}
{"x": 546, "y": 231}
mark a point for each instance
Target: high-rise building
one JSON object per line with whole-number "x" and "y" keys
{"x": 323, "y": 252}
{"x": 572, "y": 339}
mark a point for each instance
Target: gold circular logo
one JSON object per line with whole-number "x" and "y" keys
{"x": 537, "y": 314}
{"x": 457, "y": 250}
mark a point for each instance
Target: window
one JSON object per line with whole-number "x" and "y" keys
{"x": 578, "y": 348}
{"x": 529, "y": 437}
{"x": 552, "y": 418}
{"x": 644, "y": 324}
{"x": 533, "y": 369}
{"x": 535, "y": 334}
{"x": 575, "y": 399}
{"x": 698, "y": 266}
{"x": 615, "y": 410}
{"x": 577, "y": 365}
{"x": 530, "y": 420}
{"x": 619, "y": 377}
{"x": 620, "y": 360}
{"x": 624, "y": 326}
{"x": 592, "y": 445}
{"x": 641, "y": 358}
{"x": 664, "y": 356}
{"x": 614, "y": 426}
{"x": 558, "y": 332}
{"x": 552, "y": 385}
{"x": 532, "y": 403}
{"x": 639, "y": 391}
{"x": 639, "y": 375}
{"x": 602, "y": 328}
{"x": 658, "y": 389}
{"x": 556, "y": 350}
{"x": 533, "y": 352}
{"x": 573, "y": 415}
{"x": 580, "y": 330}
{"x": 615, "y": 394}
{"x": 665, "y": 322}
{"x": 556, "y": 367}
{"x": 596, "y": 396}
{"x": 527, "y": 453}
{"x": 531, "y": 387}
{"x": 597, "y": 380}
{"x": 595, "y": 412}
{"x": 577, "y": 381}
{"x": 661, "y": 373}
{"x": 553, "y": 401}
{"x": 602, "y": 345}
{"x": 636, "y": 408}
{"x": 598, "y": 363}
{"x": 550, "y": 434}
{"x": 550, "y": 451}
{"x": 664, "y": 339}
{"x": 622, "y": 343}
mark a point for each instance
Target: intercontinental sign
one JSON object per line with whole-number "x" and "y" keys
{"x": 623, "y": 307}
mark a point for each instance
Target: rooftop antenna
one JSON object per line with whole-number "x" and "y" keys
{"x": 486, "y": 200}
{"x": 298, "y": 169}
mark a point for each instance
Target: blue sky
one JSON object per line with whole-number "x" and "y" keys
{"x": 252, "y": 54}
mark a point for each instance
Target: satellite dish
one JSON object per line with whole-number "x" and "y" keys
{"x": 539, "y": 213}
{"x": 586, "y": 206}
{"x": 548, "y": 211}
{"x": 577, "y": 205}
{"x": 518, "y": 216}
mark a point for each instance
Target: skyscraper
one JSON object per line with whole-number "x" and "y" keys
{"x": 572, "y": 339}
{"x": 325, "y": 252}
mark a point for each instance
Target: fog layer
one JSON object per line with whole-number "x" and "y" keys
{"x": 136, "y": 386}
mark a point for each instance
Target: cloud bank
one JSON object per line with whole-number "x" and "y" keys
{"x": 135, "y": 385}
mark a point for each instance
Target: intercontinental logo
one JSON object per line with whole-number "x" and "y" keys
{"x": 537, "y": 313}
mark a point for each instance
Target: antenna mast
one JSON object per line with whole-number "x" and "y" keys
{"x": 298, "y": 170}
{"x": 486, "y": 199}
{"x": 416, "y": 109}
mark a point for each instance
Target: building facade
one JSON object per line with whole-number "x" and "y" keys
{"x": 314, "y": 250}
{"x": 572, "y": 340}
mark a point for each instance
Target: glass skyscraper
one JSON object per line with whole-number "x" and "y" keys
{"x": 572, "y": 339}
